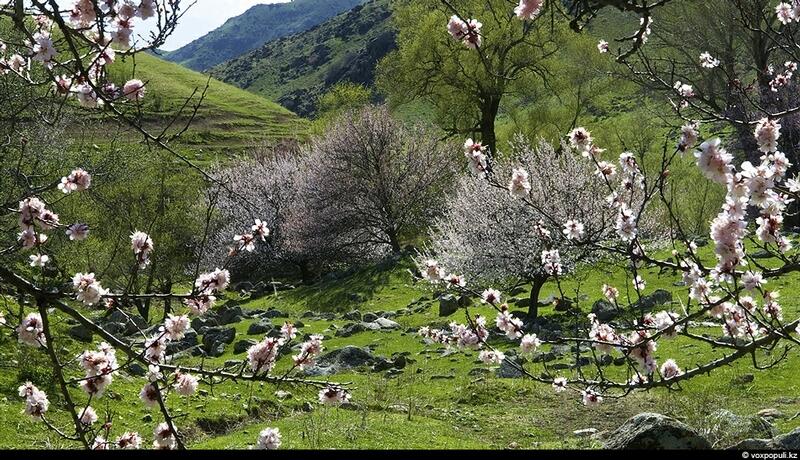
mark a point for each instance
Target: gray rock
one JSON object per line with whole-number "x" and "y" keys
{"x": 507, "y": 370}
{"x": 448, "y": 304}
{"x": 386, "y": 323}
{"x": 655, "y": 431}
{"x": 369, "y": 317}
{"x": 215, "y": 339}
{"x": 261, "y": 326}
{"x": 230, "y": 315}
{"x": 202, "y": 323}
{"x": 349, "y": 329}
{"x": 354, "y": 315}
{"x": 658, "y": 298}
{"x": 188, "y": 341}
{"x": 788, "y": 441}
{"x": 605, "y": 310}
{"x": 80, "y": 332}
{"x": 280, "y": 314}
{"x": 725, "y": 424}
{"x": 371, "y": 326}
{"x": 349, "y": 357}
{"x": 308, "y": 314}
{"x": 242, "y": 345}
{"x": 137, "y": 370}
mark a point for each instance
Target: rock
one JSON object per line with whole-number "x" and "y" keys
{"x": 605, "y": 360}
{"x": 298, "y": 324}
{"x": 655, "y": 431}
{"x": 137, "y": 369}
{"x": 725, "y": 423}
{"x": 582, "y": 361}
{"x": 357, "y": 297}
{"x": 562, "y": 305}
{"x": 202, "y": 323}
{"x": 354, "y": 315}
{"x": 232, "y": 363}
{"x": 261, "y": 326}
{"x": 658, "y": 298}
{"x": 771, "y": 413}
{"x": 80, "y": 332}
{"x": 188, "y": 341}
{"x": 585, "y": 433}
{"x": 120, "y": 323}
{"x": 382, "y": 365}
{"x": 283, "y": 394}
{"x": 349, "y": 357}
{"x": 448, "y": 304}
{"x": 350, "y": 329}
{"x": 308, "y": 314}
{"x": 369, "y": 317}
{"x": 393, "y": 372}
{"x": 789, "y": 441}
{"x": 478, "y": 372}
{"x": 279, "y": 314}
{"x": 386, "y": 323}
{"x": 215, "y": 339}
{"x": 230, "y": 315}
{"x": 760, "y": 254}
{"x": 147, "y": 418}
{"x": 242, "y": 345}
{"x": 507, "y": 370}
{"x": 605, "y": 311}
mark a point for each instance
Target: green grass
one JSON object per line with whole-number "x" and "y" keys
{"x": 438, "y": 401}
{"x": 227, "y": 118}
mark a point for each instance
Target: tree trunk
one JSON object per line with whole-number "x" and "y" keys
{"x": 536, "y": 288}
{"x": 489, "y": 109}
{"x": 305, "y": 273}
{"x": 394, "y": 242}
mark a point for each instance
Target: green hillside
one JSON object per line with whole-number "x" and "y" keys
{"x": 295, "y": 70}
{"x": 227, "y": 117}
{"x": 255, "y": 27}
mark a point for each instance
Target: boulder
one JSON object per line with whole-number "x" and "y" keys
{"x": 349, "y": 329}
{"x": 279, "y": 314}
{"x": 188, "y": 341}
{"x": 658, "y": 298}
{"x": 386, "y": 323}
{"x": 80, "y": 332}
{"x": 788, "y": 441}
{"x": 215, "y": 339}
{"x": 242, "y": 345}
{"x": 605, "y": 311}
{"x": 354, "y": 315}
{"x": 655, "y": 431}
{"x": 202, "y": 323}
{"x": 137, "y": 369}
{"x": 369, "y": 317}
{"x": 230, "y": 315}
{"x": 508, "y": 370}
{"x": 349, "y": 357}
{"x": 725, "y": 423}
{"x": 448, "y": 304}
{"x": 261, "y": 326}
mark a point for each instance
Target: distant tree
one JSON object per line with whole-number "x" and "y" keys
{"x": 465, "y": 87}
{"x": 373, "y": 181}
{"x": 496, "y": 240}
{"x": 341, "y": 98}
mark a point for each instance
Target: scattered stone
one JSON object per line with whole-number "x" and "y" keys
{"x": 137, "y": 369}
{"x": 478, "y": 372}
{"x": 279, "y": 314}
{"x": 261, "y": 326}
{"x": 442, "y": 377}
{"x": 771, "y": 413}
{"x": 448, "y": 304}
{"x": 202, "y": 323}
{"x": 147, "y": 418}
{"x": 605, "y": 360}
{"x": 354, "y": 315}
{"x": 655, "y": 431}
{"x": 215, "y": 338}
{"x": 585, "y": 433}
{"x": 391, "y": 373}
{"x": 308, "y": 314}
{"x": 605, "y": 311}
{"x": 369, "y": 317}
{"x": 349, "y": 357}
{"x": 232, "y": 363}
{"x": 349, "y": 329}
{"x": 743, "y": 379}
{"x": 658, "y": 298}
{"x": 230, "y": 315}
{"x": 188, "y": 341}
{"x": 562, "y": 305}
{"x": 386, "y": 323}
{"x": 508, "y": 370}
{"x": 298, "y": 324}
{"x": 242, "y": 345}
{"x": 725, "y": 423}
{"x": 283, "y": 395}
{"x": 80, "y": 332}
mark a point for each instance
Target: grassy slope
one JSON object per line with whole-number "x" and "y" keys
{"x": 227, "y": 118}
{"x": 451, "y": 403}
{"x": 295, "y": 70}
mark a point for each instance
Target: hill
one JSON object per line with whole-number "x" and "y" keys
{"x": 294, "y": 71}
{"x": 255, "y": 27}
{"x": 228, "y": 116}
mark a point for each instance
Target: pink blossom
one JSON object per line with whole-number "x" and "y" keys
{"x": 559, "y": 384}
{"x": 491, "y": 356}
{"x": 602, "y": 46}
{"x": 262, "y": 355}
{"x": 128, "y": 440}
{"x": 519, "y": 186}
{"x": 528, "y": 9}
{"x": 767, "y": 134}
{"x": 670, "y": 369}
{"x": 176, "y": 326}
{"x": 185, "y": 384}
{"x": 163, "y": 437}
{"x": 529, "y": 343}
{"x": 590, "y": 398}
{"x": 31, "y": 331}
{"x": 333, "y": 395}
{"x": 77, "y": 232}
{"x": 490, "y": 296}
{"x": 269, "y": 438}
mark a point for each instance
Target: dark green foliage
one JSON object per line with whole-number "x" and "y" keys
{"x": 294, "y": 71}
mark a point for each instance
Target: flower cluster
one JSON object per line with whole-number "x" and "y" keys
{"x": 100, "y": 367}
{"x": 36, "y": 402}
{"x": 31, "y": 331}
{"x": 333, "y": 395}
{"x": 468, "y": 33}
{"x": 89, "y": 290}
